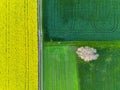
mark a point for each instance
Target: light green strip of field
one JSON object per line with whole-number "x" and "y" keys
{"x": 109, "y": 44}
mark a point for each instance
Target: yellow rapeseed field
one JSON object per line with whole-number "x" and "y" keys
{"x": 18, "y": 45}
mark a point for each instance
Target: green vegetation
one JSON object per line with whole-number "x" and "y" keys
{"x": 96, "y": 24}
{"x": 110, "y": 44}
{"x": 60, "y": 70}
{"x": 63, "y": 70}
{"x": 65, "y": 20}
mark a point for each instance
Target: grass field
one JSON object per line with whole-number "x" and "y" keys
{"x": 63, "y": 70}
{"x": 60, "y": 71}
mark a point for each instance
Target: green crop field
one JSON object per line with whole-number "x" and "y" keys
{"x": 63, "y": 70}
{"x": 69, "y": 24}
{"x": 60, "y": 71}
{"x": 75, "y": 20}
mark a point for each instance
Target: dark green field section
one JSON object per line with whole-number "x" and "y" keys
{"x": 63, "y": 70}
{"x": 66, "y": 20}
